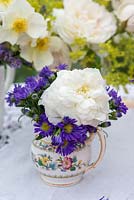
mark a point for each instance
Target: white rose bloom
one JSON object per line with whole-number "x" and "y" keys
{"x": 20, "y": 18}
{"x": 40, "y": 51}
{"x": 79, "y": 94}
{"x": 4, "y": 4}
{"x": 84, "y": 19}
{"x": 125, "y": 13}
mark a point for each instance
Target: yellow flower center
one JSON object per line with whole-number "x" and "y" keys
{"x": 83, "y": 90}
{"x": 43, "y": 44}
{"x": 65, "y": 143}
{"x": 5, "y": 2}
{"x": 20, "y": 25}
{"x": 45, "y": 127}
{"x": 68, "y": 128}
{"x": 45, "y": 160}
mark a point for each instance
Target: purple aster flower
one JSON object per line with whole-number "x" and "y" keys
{"x": 116, "y": 102}
{"x": 10, "y": 98}
{"x": 36, "y": 83}
{"x": 15, "y": 62}
{"x": 5, "y": 53}
{"x": 56, "y": 140}
{"x": 46, "y": 73}
{"x": 70, "y": 131}
{"x": 32, "y": 84}
{"x": 62, "y": 67}
{"x": 19, "y": 93}
{"x": 43, "y": 127}
{"x": 91, "y": 129}
{"x": 83, "y": 135}
{"x": 66, "y": 148}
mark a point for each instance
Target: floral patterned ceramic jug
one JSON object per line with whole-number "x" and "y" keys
{"x": 57, "y": 170}
{"x": 6, "y": 78}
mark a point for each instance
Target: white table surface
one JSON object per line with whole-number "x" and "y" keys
{"x": 114, "y": 178}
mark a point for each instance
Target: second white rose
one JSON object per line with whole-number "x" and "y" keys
{"x": 84, "y": 19}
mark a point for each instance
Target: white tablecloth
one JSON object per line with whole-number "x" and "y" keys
{"x": 114, "y": 178}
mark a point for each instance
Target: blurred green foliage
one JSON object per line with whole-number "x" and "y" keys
{"x": 23, "y": 73}
{"x": 45, "y": 7}
{"x": 119, "y": 62}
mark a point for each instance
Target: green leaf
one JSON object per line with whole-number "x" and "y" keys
{"x": 74, "y": 159}
{"x": 39, "y": 137}
{"x": 23, "y": 73}
{"x": 40, "y": 162}
{"x": 72, "y": 168}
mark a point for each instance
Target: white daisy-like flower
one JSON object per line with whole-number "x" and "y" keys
{"x": 21, "y": 18}
{"x": 40, "y": 51}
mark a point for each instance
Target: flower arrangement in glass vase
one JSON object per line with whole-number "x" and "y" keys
{"x": 68, "y": 107}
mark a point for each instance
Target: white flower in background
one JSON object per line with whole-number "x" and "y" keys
{"x": 84, "y": 19}
{"x": 40, "y": 51}
{"x": 125, "y": 13}
{"x": 79, "y": 94}
{"x": 20, "y": 18}
{"x": 61, "y": 56}
{"x": 4, "y": 4}
{"x": 116, "y": 3}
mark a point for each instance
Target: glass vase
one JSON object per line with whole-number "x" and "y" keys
{"x": 6, "y": 79}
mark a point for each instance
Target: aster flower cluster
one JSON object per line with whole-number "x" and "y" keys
{"x": 118, "y": 108}
{"x": 7, "y": 57}
{"x": 67, "y": 134}
{"x": 33, "y": 88}
{"x": 10, "y": 55}
{"x": 28, "y": 95}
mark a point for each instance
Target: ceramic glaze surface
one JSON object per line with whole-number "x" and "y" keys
{"x": 58, "y": 170}
{"x": 52, "y": 164}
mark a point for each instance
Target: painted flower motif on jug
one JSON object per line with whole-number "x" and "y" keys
{"x": 44, "y": 161}
{"x": 70, "y": 164}
{"x": 42, "y": 145}
{"x": 64, "y": 164}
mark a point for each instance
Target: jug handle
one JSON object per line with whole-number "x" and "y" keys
{"x": 9, "y": 77}
{"x": 102, "y": 140}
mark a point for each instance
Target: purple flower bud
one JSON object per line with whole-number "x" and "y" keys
{"x": 118, "y": 114}
{"x": 105, "y": 124}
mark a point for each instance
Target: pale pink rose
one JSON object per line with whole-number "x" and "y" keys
{"x": 67, "y": 163}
